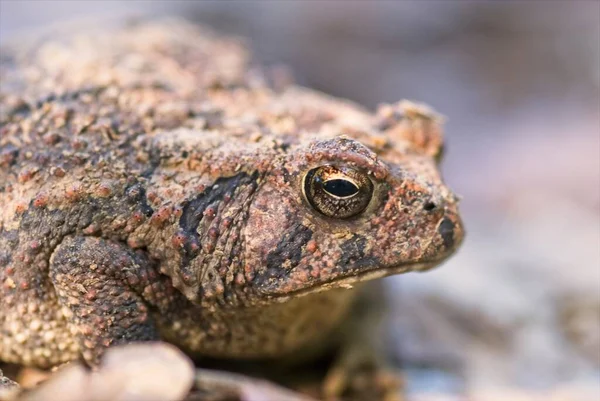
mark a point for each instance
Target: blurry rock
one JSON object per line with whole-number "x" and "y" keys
{"x": 144, "y": 372}
{"x": 580, "y": 319}
{"x": 29, "y": 377}
{"x": 71, "y": 383}
{"x": 140, "y": 372}
{"x": 8, "y": 388}
{"x": 225, "y": 386}
{"x": 5, "y": 382}
{"x": 149, "y": 372}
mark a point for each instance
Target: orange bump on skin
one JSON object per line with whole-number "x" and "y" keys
{"x": 311, "y": 246}
{"x": 161, "y": 215}
{"x": 40, "y": 200}
{"x": 91, "y": 229}
{"x": 27, "y": 174}
{"x": 104, "y": 190}
{"x": 90, "y": 295}
{"x": 135, "y": 243}
{"x": 210, "y": 212}
{"x": 51, "y": 139}
{"x": 239, "y": 279}
{"x": 178, "y": 240}
{"x": 9, "y": 283}
{"x": 152, "y": 196}
{"x": 137, "y": 218}
{"x": 74, "y": 191}
{"x": 177, "y": 211}
{"x": 58, "y": 171}
{"x": 20, "y": 208}
{"x": 79, "y": 143}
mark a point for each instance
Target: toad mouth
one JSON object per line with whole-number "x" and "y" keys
{"x": 347, "y": 280}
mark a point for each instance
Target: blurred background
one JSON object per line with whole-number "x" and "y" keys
{"x": 516, "y": 314}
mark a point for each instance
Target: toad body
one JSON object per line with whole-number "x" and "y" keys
{"x": 155, "y": 186}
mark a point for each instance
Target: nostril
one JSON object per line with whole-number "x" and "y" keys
{"x": 429, "y": 206}
{"x": 446, "y": 230}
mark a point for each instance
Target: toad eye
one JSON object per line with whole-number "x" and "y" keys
{"x": 340, "y": 187}
{"x": 338, "y": 192}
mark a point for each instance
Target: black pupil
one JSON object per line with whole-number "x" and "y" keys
{"x": 341, "y": 188}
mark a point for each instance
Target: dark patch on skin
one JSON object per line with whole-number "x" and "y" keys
{"x": 8, "y": 156}
{"x": 429, "y": 206}
{"x": 5, "y": 258}
{"x": 286, "y": 175}
{"x": 136, "y": 194}
{"x": 213, "y": 119}
{"x": 20, "y": 110}
{"x": 25, "y": 109}
{"x": 284, "y": 145}
{"x": 289, "y": 248}
{"x": 34, "y": 219}
{"x": 11, "y": 237}
{"x": 153, "y": 162}
{"x": 367, "y": 262}
{"x": 69, "y": 95}
{"x": 193, "y": 210}
{"x": 446, "y": 230}
{"x": 10, "y": 240}
{"x": 439, "y": 156}
{"x": 353, "y": 250}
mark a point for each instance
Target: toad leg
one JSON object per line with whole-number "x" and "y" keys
{"x": 361, "y": 369}
{"x": 100, "y": 284}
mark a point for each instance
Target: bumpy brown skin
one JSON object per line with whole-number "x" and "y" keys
{"x": 151, "y": 187}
